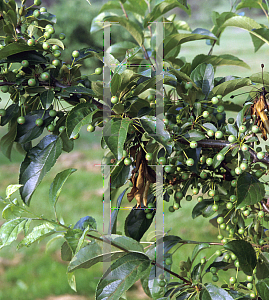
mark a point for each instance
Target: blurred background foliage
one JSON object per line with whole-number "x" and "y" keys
{"x": 37, "y": 272}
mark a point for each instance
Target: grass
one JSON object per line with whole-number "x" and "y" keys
{"x": 34, "y": 273}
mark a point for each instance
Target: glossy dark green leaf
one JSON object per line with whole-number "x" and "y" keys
{"x": 197, "y": 272}
{"x": 138, "y": 7}
{"x": 7, "y": 140}
{"x": 245, "y": 254}
{"x": 38, "y": 161}
{"x": 194, "y": 135}
{"x": 29, "y": 130}
{"x": 115, "y": 134}
{"x": 79, "y": 116}
{"x": 114, "y": 214}
{"x": 263, "y": 265}
{"x": 119, "y": 175}
{"x": 197, "y": 249}
{"x": 203, "y": 77}
{"x": 220, "y": 265}
{"x": 48, "y": 17}
{"x": 133, "y": 28}
{"x": 38, "y": 233}
{"x": 115, "y": 84}
{"x": 10, "y": 230}
{"x": 251, "y": 4}
{"x": 57, "y": 185}
{"x": 149, "y": 124}
{"x": 249, "y": 190}
{"x": 136, "y": 224}
{"x": 162, "y": 8}
{"x": 12, "y": 16}
{"x": 203, "y": 208}
{"x": 47, "y": 98}
{"x": 68, "y": 144}
{"x": 76, "y": 89}
{"x": 56, "y": 42}
{"x": 230, "y": 86}
{"x": 137, "y": 107}
{"x": 15, "y": 48}
{"x": 122, "y": 275}
{"x": 223, "y": 151}
{"x": 218, "y": 60}
{"x": 262, "y": 287}
{"x": 11, "y": 112}
{"x": 212, "y": 292}
{"x": 85, "y": 222}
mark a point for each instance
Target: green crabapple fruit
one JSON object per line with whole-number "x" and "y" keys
{"x": 62, "y": 129}
{"x": 32, "y": 82}
{"x": 229, "y": 205}
{"x": 255, "y": 128}
{"x": 215, "y": 207}
{"x": 220, "y": 220}
{"x": 162, "y": 160}
{"x": 219, "y": 134}
{"x": 21, "y": 120}
{"x": 244, "y": 147}
{"x": 25, "y": 63}
{"x": 98, "y": 71}
{"x": 43, "y": 9}
{"x": 127, "y": 161}
{"x": 215, "y": 100}
{"x": 260, "y": 155}
{"x": 188, "y": 85}
{"x": 46, "y": 46}
{"x": 90, "y": 128}
{"x": 220, "y": 108}
{"x": 231, "y": 120}
{"x": 51, "y": 128}
{"x": 189, "y": 162}
{"x": 205, "y": 114}
{"x": 4, "y": 88}
{"x": 53, "y": 113}
{"x": 149, "y": 156}
{"x": 195, "y": 191}
{"x": 200, "y": 199}
{"x": 231, "y": 138}
{"x": 61, "y": 36}
{"x": 238, "y": 171}
{"x": 209, "y": 161}
{"x": 37, "y": 2}
{"x": 57, "y": 53}
{"x": 114, "y": 99}
{"x": 39, "y": 122}
{"x": 243, "y": 166}
{"x": 242, "y": 128}
{"x": 45, "y": 76}
{"x": 220, "y": 157}
{"x": 193, "y": 144}
{"x": 210, "y": 133}
{"x": 31, "y": 42}
{"x": 179, "y": 195}
{"x": 75, "y": 54}
{"x": 2, "y": 112}
{"x": 56, "y": 62}
{"x": 36, "y": 13}
{"x": 188, "y": 197}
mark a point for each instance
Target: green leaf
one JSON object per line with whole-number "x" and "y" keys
{"x": 262, "y": 287}
{"x": 212, "y": 292}
{"x": 219, "y": 60}
{"x": 56, "y": 42}
{"x": 174, "y": 40}
{"x": 119, "y": 175}
{"x": 263, "y": 265}
{"x": 7, "y": 140}
{"x": 38, "y": 233}
{"x": 137, "y": 6}
{"x": 149, "y": 124}
{"x": 245, "y": 254}
{"x": 38, "y": 161}
{"x": 162, "y": 8}
{"x": 203, "y": 208}
{"x": 77, "y": 89}
{"x": 230, "y": 86}
{"x": 93, "y": 252}
{"x": 194, "y": 135}
{"x": 114, "y": 214}
{"x": 11, "y": 189}
{"x": 15, "y": 48}
{"x": 57, "y": 185}
{"x": 115, "y": 134}
{"x": 12, "y": 16}
{"x": 10, "y": 230}
{"x": 47, "y": 98}
{"x": 203, "y": 77}
{"x": 72, "y": 281}
{"x": 249, "y": 190}
{"x": 122, "y": 275}
{"x": 79, "y": 116}
{"x": 85, "y": 222}
{"x": 197, "y": 249}
{"x": 251, "y": 4}
{"x": 115, "y": 84}
{"x": 133, "y": 28}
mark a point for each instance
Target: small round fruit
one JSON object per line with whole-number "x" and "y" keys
{"x": 231, "y": 138}
{"x": 218, "y": 253}
{"x": 149, "y": 216}
{"x": 244, "y": 147}
{"x": 255, "y": 128}
{"x": 56, "y": 62}
{"x": 193, "y": 144}
{"x": 171, "y": 208}
{"x": 176, "y": 206}
{"x": 200, "y": 199}
{"x": 222, "y": 226}
{"x": 51, "y": 128}
{"x": 209, "y": 161}
{"x": 2, "y": 112}
{"x": 150, "y": 97}
{"x": 220, "y": 220}
{"x": 213, "y": 270}
{"x": 32, "y": 82}
{"x": 57, "y": 53}
{"x": 162, "y": 160}
{"x": 167, "y": 169}
{"x": 203, "y": 175}
{"x": 216, "y": 198}
{"x": 39, "y": 122}
{"x": 233, "y": 198}
{"x": 261, "y": 214}
{"x": 62, "y": 129}
{"x": 21, "y": 120}
{"x": 90, "y": 128}
{"x": 61, "y": 36}
{"x": 220, "y": 108}
{"x": 46, "y": 46}
{"x": 36, "y": 13}
{"x": 219, "y": 134}
{"x": 202, "y": 159}
{"x": 215, "y": 207}
{"x": 195, "y": 191}
{"x": 210, "y": 133}
{"x": 229, "y": 205}
{"x": 233, "y": 183}
{"x": 47, "y": 35}
{"x": 215, "y": 278}
{"x": 45, "y": 76}
{"x": 211, "y": 193}
{"x": 250, "y": 286}
{"x": 4, "y": 88}
{"x": 149, "y": 156}
{"x": 75, "y": 54}
{"x": 188, "y": 85}
{"x": 51, "y": 30}
{"x": 205, "y": 114}
{"x": 231, "y": 120}
{"x": 162, "y": 283}
{"x": 220, "y": 157}
{"x": 232, "y": 280}
{"x": 236, "y": 264}
{"x": 252, "y": 295}
{"x": 215, "y": 100}
{"x": 168, "y": 261}
{"x": 114, "y": 99}
{"x": 188, "y": 197}
{"x": 260, "y": 155}
{"x": 258, "y": 173}
{"x": 53, "y": 113}
{"x": 242, "y": 129}
{"x": 184, "y": 176}
{"x": 189, "y": 162}
{"x": 127, "y": 161}
{"x": 241, "y": 230}
{"x": 25, "y": 63}
{"x": 238, "y": 171}
{"x": 98, "y": 71}
{"x": 243, "y": 166}
{"x": 246, "y": 212}
{"x": 43, "y": 9}
{"x": 31, "y": 42}
{"x": 37, "y": 2}
{"x": 179, "y": 195}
